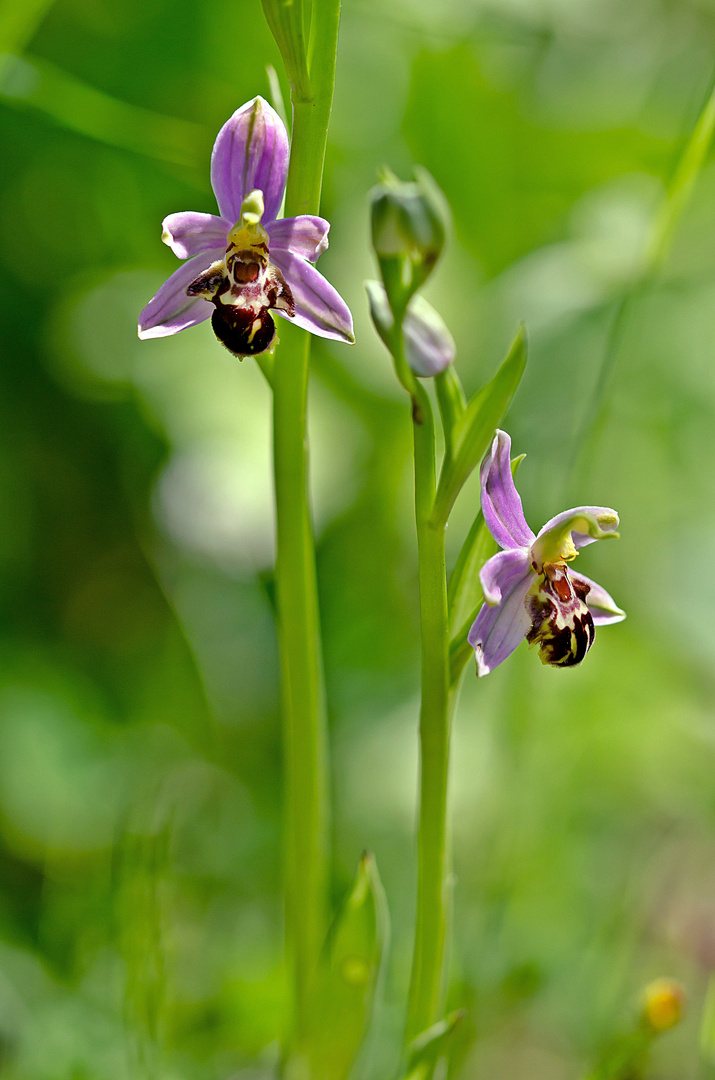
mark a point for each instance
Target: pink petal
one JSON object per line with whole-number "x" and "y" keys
{"x": 499, "y": 572}
{"x": 250, "y": 152}
{"x": 601, "y": 604}
{"x": 170, "y": 309}
{"x": 318, "y": 307}
{"x": 501, "y": 504}
{"x": 189, "y": 233}
{"x": 498, "y": 629}
{"x": 306, "y": 236}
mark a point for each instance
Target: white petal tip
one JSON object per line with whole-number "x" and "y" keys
{"x": 144, "y": 334}
{"x": 482, "y": 667}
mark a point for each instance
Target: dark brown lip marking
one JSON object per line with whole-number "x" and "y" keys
{"x": 243, "y": 273}
{"x": 245, "y": 325}
{"x": 209, "y": 282}
{"x": 243, "y": 332}
{"x": 561, "y": 623}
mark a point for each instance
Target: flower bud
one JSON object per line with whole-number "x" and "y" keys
{"x": 663, "y": 1004}
{"x": 408, "y": 232}
{"x": 429, "y": 346}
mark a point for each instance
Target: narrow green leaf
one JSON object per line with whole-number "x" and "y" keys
{"x": 276, "y": 94}
{"x": 625, "y": 1058}
{"x": 452, "y": 403}
{"x": 431, "y": 1045}
{"x": 19, "y": 22}
{"x": 460, "y": 651}
{"x": 37, "y": 83}
{"x": 707, "y": 1027}
{"x": 465, "y": 591}
{"x": 681, "y": 188}
{"x": 473, "y": 433}
{"x": 285, "y": 20}
{"x": 345, "y": 984}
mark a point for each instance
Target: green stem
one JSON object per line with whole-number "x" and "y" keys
{"x": 303, "y": 706}
{"x": 304, "y": 727}
{"x": 425, "y": 997}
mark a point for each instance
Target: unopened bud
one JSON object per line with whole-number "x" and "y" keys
{"x": 663, "y": 1004}
{"x": 429, "y": 346}
{"x": 408, "y": 232}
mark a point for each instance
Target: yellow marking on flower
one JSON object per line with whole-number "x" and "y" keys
{"x": 247, "y": 237}
{"x": 557, "y": 544}
{"x": 248, "y": 232}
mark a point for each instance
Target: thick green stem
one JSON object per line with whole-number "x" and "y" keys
{"x": 305, "y": 754}
{"x": 425, "y": 998}
{"x": 304, "y": 723}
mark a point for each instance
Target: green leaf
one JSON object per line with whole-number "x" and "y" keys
{"x": 431, "y": 1045}
{"x": 275, "y": 95}
{"x": 465, "y": 591}
{"x": 476, "y": 427}
{"x": 452, "y": 403}
{"x": 681, "y": 189}
{"x": 625, "y": 1057}
{"x": 285, "y": 19}
{"x": 345, "y": 983}
{"x": 19, "y": 22}
{"x": 40, "y": 85}
{"x": 707, "y": 1026}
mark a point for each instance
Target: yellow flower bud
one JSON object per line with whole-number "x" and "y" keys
{"x": 664, "y": 1003}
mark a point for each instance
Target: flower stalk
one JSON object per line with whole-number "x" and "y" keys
{"x": 424, "y": 1003}
{"x": 306, "y": 812}
{"x": 408, "y": 236}
{"x": 303, "y": 705}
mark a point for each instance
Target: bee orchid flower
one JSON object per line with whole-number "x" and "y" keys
{"x": 247, "y": 263}
{"x": 530, "y": 590}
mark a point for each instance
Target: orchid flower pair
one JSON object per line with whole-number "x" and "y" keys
{"x": 247, "y": 263}
{"x": 529, "y": 589}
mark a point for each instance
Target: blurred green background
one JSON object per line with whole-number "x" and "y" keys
{"x": 140, "y": 912}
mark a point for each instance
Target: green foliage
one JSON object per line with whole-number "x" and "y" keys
{"x": 347, "y": 978}
{"x": 286, "y": 19}
{"x": 138, "y": 677}
{"x": 430, "y": 1046}
{"x": 474, "y": 429}
{"x": 452, "y": 404}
